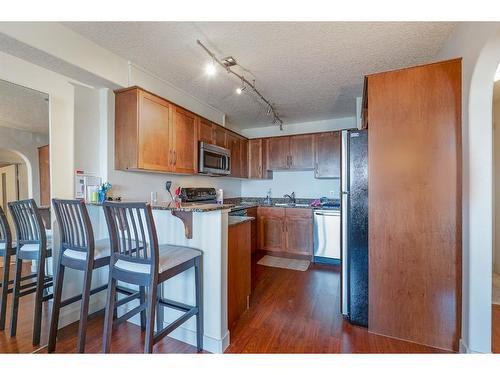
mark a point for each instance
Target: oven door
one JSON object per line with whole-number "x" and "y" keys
{"x": 214, "y": 160}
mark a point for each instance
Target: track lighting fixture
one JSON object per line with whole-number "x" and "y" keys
{"x": 227, "y": 63}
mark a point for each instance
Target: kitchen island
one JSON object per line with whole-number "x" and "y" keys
{"x": 210, "y": 235}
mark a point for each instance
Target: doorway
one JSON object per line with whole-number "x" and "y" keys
{"x": 495, "y": 323}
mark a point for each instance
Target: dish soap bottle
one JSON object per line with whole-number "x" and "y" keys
{"x": 268, "y": 198}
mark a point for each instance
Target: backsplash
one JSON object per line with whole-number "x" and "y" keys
{"x": 302, "y": 183}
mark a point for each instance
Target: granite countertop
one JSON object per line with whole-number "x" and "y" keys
{"x": 171, "y": 206}
{"x": 234, "y": 220}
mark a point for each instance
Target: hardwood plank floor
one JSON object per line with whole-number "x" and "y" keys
{"x": 290, "y": 312}
{"x": 495, "y": 329}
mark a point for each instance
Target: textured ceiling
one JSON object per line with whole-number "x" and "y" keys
{"x": 311, "y": 71}
{"x": 23, "y": 108}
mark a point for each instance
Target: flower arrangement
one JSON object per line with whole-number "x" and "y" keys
{"x": 103, "y": 191}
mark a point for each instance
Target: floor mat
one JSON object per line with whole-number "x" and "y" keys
{"x": 290, "y": 264}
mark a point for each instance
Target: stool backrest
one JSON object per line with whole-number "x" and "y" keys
{"x": 132, "y": 233}
{"x": 5, "y": 234}
{"x": 75, "y": 225}
{"x": 28, "y": 223}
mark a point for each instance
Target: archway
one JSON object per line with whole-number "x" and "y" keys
{"x": 480, "y": 196}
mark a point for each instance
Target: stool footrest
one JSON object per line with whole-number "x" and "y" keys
{"x": 78, "y": 297}
{"x": 174, "y": 304}
{"x": 130, "y": 314}
{"x": 176, "y": 323}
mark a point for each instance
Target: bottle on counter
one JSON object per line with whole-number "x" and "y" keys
{"x": 268, "y": 198}
{"x": 220, "y": 196}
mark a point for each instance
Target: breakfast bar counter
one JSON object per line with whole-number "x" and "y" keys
{"x": 209, "y": 235}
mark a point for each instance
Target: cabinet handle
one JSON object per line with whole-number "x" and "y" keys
{"x": 170, "y": 157}
{"x": 291, "y": 161}
{"x": 260, "y": 170}
{"x": 316, "y": 169}
{"x": 175, "y": 157}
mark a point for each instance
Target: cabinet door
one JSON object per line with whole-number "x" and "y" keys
{"x": 255, "y": 158}
{"x": 184, "y": 138}
{"x": 153, "y": 130}
{"x": 302, "y": 152}
{"x": 233, "y": 143}
{"x": 299, "y": 231}
{"x": 244, "y": 158}
{"x": 278, "y": 152}
{"x": 205, "y": 131}
{"x": 220, "y": 136}
{"x": 271, "y": 228}
{"x": 327, "y": 155}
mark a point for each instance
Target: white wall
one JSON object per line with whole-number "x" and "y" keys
{"x": 26, "y": 144}
{"x": 302, "y": 183}
{"x": 496, "y": 196}
{"x": 478, "y": 43}
{"x": 300, "y": 128}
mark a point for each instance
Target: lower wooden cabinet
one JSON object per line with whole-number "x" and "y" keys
{"x": 287, "y": 230}
{"x": 271, "y": 228}
{"x": 299, "y": 231}
{"x": 238, "y": 271}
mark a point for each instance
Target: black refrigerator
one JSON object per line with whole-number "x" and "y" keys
{"x": 355, "y": 226}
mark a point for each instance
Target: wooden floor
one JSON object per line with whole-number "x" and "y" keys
{"x": 495, "y": 329}
{"x": 291, "y": 312}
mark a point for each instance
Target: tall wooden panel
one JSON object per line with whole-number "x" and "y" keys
{"x": 44, "y": 173}
{"x": 414, "y": 132}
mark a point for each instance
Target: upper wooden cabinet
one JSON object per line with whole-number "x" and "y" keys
{"x": 220, "y": 136}
{"x": 257, "y": 159}
{"x": 142, "y": 126}
{"x": 239, "y": 154}
{"x": 291, "y": 152}
{"x": 327, "y": 155}
{"x": 244, "y": 157}
{"x": 302, "y": 152}
{"x": 206, "y": 131}
{"x": 153, "y": 134}
{"x": 184, "y": 141}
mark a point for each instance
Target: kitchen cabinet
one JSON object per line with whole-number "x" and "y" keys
{"x": 220, "y": 136}
{"x": 244, "y": 157}
{"x": 184, "y": 141}
{"x": 44, "y": 173}
{"x": 415, "y": 257}
{"x": 298, "y": 231}
{"x": 206, "y": 131}
{"x": 142, "y": 129}
{"x": 238, "y": 271}
{"x": 257, "y": 159}
{"x": 278, "y": 153}
{"x": 271, "y": 228}
{"x": 153, "y": 134}
{"x": 301, "y": 152}
{"x": 327, "y": 150}
{"x": 291, "y": 152}
{"x": 286, "y": 230}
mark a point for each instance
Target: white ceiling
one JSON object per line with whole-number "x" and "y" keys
{"x": 311, "y": 71}
{"x": 23, "y": 108}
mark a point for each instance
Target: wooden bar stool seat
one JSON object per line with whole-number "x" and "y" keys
{"x": 79, "y": 251}
{"x": 147, "y": 267}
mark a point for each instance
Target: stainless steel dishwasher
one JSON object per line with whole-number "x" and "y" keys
{"x": 327, "y": 236}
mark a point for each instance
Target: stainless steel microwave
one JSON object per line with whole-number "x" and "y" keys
{"x": 214, "y": 160}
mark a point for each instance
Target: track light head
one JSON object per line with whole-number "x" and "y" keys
{"x": 210, "y": 68}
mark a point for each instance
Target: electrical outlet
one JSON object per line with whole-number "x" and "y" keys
{"x": 332, "y": 193}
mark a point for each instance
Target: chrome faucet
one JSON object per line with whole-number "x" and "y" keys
{"x": 291, "y": 197}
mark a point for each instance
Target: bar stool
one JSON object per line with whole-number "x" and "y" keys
{"x": 132, "y": 223}
{"x": 31, "y": 245}
{"x": 79, "y": 251}
{"x": 6, "y": 250}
